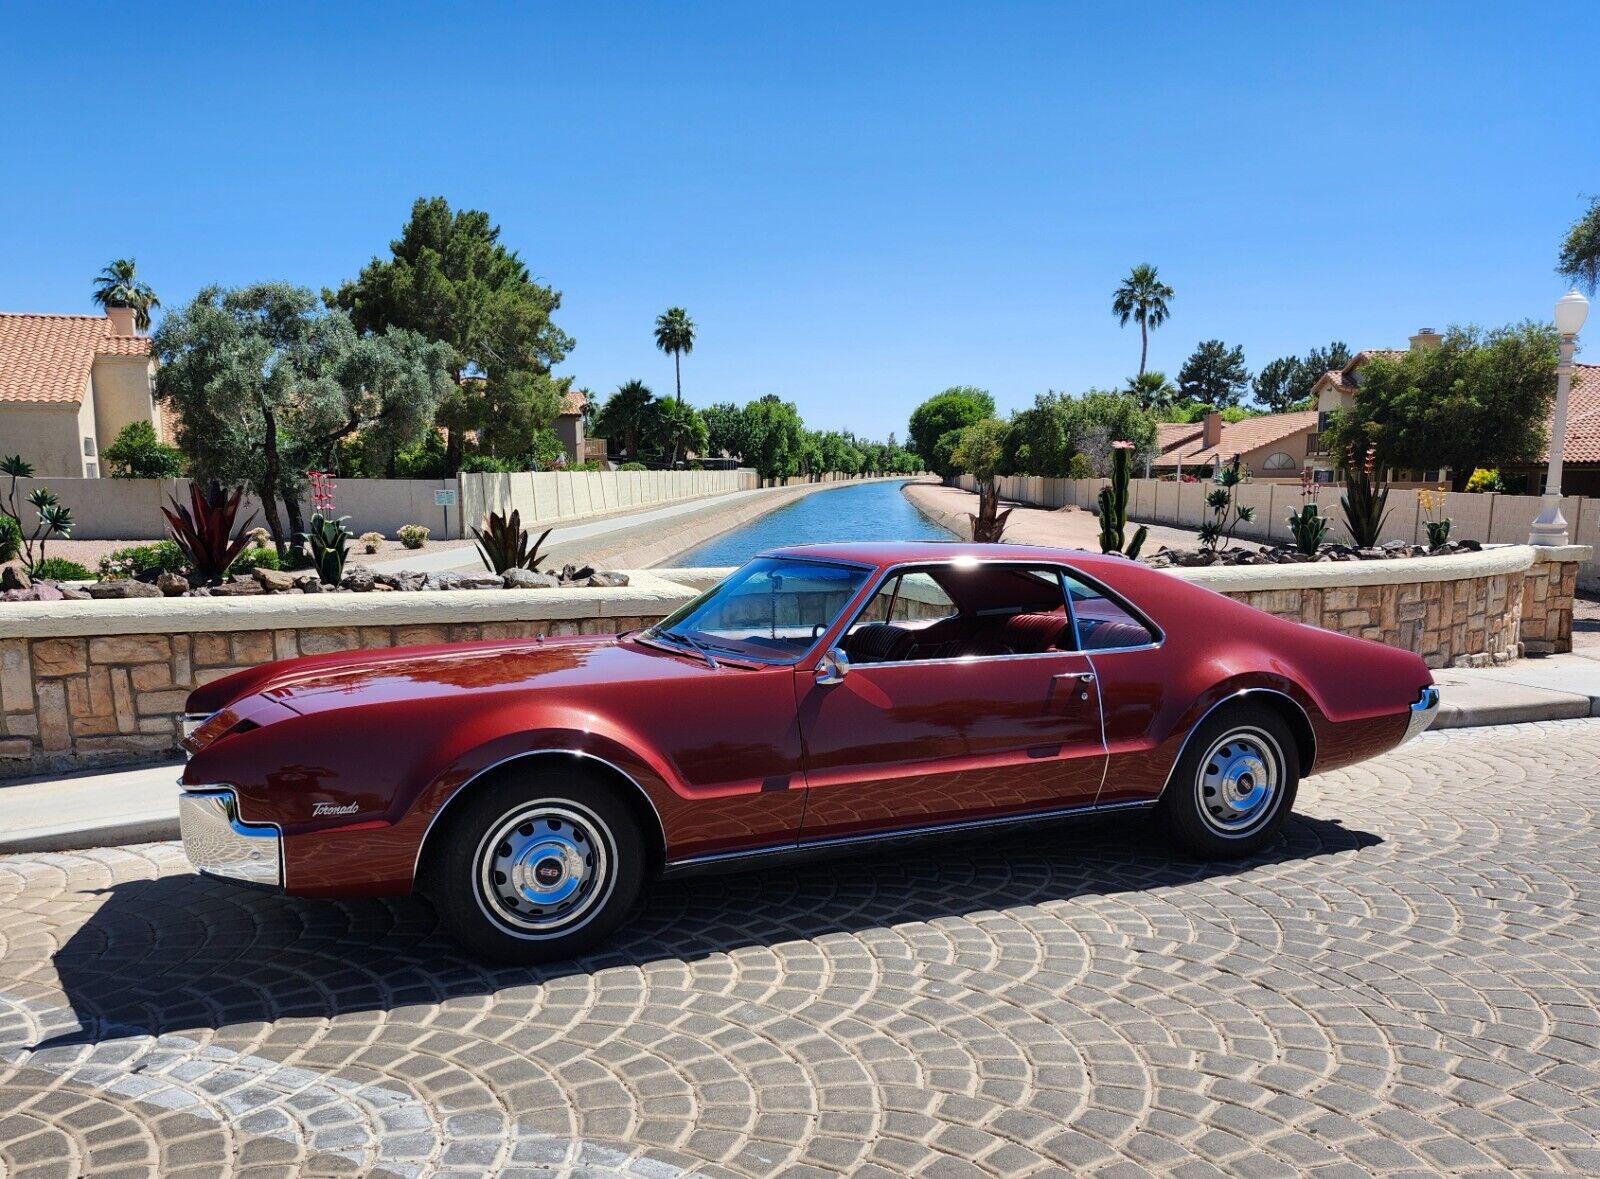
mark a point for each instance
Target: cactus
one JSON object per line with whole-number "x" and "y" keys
{"x": 1113, "y": 502}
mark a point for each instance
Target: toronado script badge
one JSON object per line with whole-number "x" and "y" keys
{"x": 318, "y": 810}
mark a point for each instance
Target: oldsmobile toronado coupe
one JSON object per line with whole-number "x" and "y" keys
{"x": 820, "y": 697}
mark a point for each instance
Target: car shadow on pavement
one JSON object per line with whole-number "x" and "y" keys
{"x": 184, "y": 952}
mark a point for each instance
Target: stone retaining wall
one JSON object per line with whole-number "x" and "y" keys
{"x": 86, "y": 684}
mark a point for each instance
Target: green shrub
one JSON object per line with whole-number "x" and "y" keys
{"x": 140, "y": 558}
{"x": 10, "y": 539}
{"x": 633, "y": 467}
{"x": 413, "y": 536}
{"x": 1483, "y": 480}
{"x": 138, "y": 454}
{"x": 59, "y": 569}
{"x": 256, "y": 557}
{"x": 487, "y": 464}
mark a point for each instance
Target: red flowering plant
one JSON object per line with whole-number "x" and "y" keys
{"x": 326, "y": 537}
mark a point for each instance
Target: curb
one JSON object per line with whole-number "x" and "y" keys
{"x": 124, "y": 831}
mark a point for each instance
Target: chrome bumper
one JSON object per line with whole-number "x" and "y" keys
{"x": 1422, "y": 713}
{"x": 218, "y": 843}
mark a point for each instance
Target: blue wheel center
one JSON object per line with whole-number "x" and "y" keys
{"x": 547, "y": 869}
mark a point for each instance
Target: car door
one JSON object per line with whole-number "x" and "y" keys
{"x": 949, "y": 734}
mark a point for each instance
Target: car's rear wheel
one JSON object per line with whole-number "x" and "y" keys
{"x": 537, "y": 867}
{"x": 1235, "y": 784}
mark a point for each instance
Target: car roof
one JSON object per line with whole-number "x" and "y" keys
{"x": 882, "y": 553}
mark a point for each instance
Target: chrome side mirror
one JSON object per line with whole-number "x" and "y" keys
{"x": 834, "y": 666}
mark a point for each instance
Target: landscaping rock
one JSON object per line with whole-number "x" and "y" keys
{"x": 123, "y": 589}
{"x": 172, "y": 585}
{"x": 479, "y": 581}
{"x": 72, "y": 593}
{"x": 609, "y": 580}
{"x": 274, "y": 581}
{"x": 528, "y": 579}
{"x": 571, "y": 574}
{"x": 441, "y": 581}
{"x": 358, "y": 579}
{"x": 47, "y": 591}
{"x": 407, "y": 580}
{"x": 13, "y": 578}
{"x": 307, "y": 581}
{"x": 238, "y": 586}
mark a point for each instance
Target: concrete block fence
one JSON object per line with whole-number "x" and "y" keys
{"x": 1486, "y": 518}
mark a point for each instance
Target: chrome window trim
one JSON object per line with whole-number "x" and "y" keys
{"x": 422, "y": 844}
{"x": 811, "y": 651}
{"x": 1231, "y": 698}
{"x": 1061, "y": 569}
{"x": 908, "y": 833}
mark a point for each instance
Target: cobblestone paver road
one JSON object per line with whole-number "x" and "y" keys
{"x": 1408, "y": 984}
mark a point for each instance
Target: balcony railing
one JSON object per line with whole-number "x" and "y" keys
{"x": 1315, "y": 444}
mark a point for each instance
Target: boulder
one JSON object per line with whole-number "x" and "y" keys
{"x": 441, "y": 581}
{"x": 238, "y": 586}
{"x": 172, "y": 585}
{"x": 47, "y": 591}
{"x": 123, "y": 589}
{"x": 274, "y": 581}
{"x": 610, "y": 580}
{"x": 14, "y": 577}
{"x": 479, "y": 581}
{"x": 358, "y": 578}
{"x": 528, "y": 579}
{"x": 407, "y": 580}
{"x": 571, "y": 574}
{"x": 307, "y": 581}
{"x": 72, "y": 593}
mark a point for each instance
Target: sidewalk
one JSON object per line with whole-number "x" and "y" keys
{"x": 139, "y": 805}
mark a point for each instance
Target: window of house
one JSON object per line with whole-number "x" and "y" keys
{"x": 88, "y": 447}
{"x": 1279, "y": 461}
{"x": 91, "y": 470}
{"x": 1322, "y": 476}
{"x": 1104, "y": 624}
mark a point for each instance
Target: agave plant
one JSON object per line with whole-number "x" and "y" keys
{"x": 1309, "y": 527}
{"x": 329, "y": 542}
{"x": 503, "y": 543}
{"x": 204, "y": 530}
{"x": 1365, "y": 502}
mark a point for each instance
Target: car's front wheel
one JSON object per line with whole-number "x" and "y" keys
{"x": 537, "y": 867}
{"x": 1235, "y": 784}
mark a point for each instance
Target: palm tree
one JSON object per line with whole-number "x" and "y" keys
{"x": 678, "y": 426}
{"x": 118, "y": 285}
{"x": 675, "y": 334}
{"x": 1153, "y": 390}
{"x": 626, "y": 413}
{"x": 1143, "y": 297}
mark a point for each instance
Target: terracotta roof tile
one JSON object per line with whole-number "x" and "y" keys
{"x": 1237, "y": 438}
{"x": 1583, "y": 417}
{"x": 573, "y": 403}
{"x": 46, "y": 359}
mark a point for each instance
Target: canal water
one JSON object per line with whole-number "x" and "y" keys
{"x": 852, "y": 511}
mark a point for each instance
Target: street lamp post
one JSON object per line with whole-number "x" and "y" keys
{"x": 1550, "y": 527}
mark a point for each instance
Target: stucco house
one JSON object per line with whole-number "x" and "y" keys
{"x": 68, "y": 386}
{"x": 1271, "y": 447}
{"x": 1336, "y": 389}
{"x": 569, "y": 428}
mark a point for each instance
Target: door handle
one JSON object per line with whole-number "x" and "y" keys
{"x": 1086, "y": 677}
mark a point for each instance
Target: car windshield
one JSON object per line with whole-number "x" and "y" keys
{"x": 773, "y": 609}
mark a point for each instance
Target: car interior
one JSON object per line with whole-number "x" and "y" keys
{"x": 986, "y": 610}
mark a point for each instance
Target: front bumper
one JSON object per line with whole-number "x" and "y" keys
{"x": 219, "y": 843}
{"x": 1422, "y": 713}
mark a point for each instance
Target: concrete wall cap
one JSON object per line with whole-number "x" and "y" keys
{"x": 1562, "y": 552}
{"x": 1327, "y": 574}
{"x": 646, "y": 594}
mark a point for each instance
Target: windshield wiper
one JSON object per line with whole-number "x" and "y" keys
{"x": 694, "y": 645}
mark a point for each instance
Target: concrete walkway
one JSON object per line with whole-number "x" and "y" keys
{"x": 134, "y": 806}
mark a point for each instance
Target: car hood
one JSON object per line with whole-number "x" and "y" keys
{"x": 422, "y": 673}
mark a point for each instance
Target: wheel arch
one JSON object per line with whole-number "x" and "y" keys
{"x": 591, "y": 765}
{"x": 1286, "y": 706}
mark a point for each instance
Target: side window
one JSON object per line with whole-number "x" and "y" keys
{"x": 919, "y": 599}
{"x": 1103, "y": 624}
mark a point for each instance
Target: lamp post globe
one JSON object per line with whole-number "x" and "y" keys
{"x": 1550, "y": 526}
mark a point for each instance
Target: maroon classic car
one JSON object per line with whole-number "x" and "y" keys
{"x": 819, "y": 697}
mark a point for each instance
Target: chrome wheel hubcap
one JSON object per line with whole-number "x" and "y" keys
{"x": 545, "y": 868}
{"x": 1239, "y": 780}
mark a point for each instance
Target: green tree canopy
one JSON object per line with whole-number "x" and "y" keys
{"x": 726, "y": 430}
{"x": 138, "y": 454}
{"x": 677, "y": 428}
{"x": 941, "y": 415}
{"x": 119, "y": 285}
{"x": 266, "y": 382}
{"x": 1579, "y": 259}
{"x": 1044, "y": 437}
{"x": 980, "y": 449}
{"x": 1152, "y": 389}
{"x": 1478, "y": 399}
{"x": 1107, "y": 417}
{"x": 1214, "y": 374}
{"x": 1285, "y": 384}
{"x": 1142, "y": 297}
{"x": 450, "y": 278}
{"x": 627, "y": 414}
{"x": 776, "y": 437}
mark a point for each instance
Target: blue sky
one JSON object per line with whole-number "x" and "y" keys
{"x": 859, "y": 204}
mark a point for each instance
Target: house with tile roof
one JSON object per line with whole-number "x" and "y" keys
{"x": 69, "y": 384}
{"x": 1271, "y": 447}
{"x": 1336, "y": 389}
